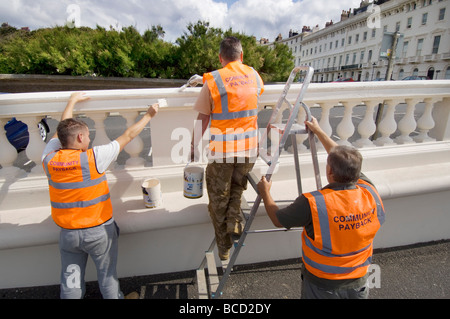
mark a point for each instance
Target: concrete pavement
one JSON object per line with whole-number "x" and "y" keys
{"x": 412, "y": 272}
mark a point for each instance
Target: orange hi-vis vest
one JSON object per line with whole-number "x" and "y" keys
{"x": 235, "y": 90}
{"x": 345, "y": 223}
{"x": 79, "y": 195}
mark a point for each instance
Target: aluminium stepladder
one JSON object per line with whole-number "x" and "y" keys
{"x": 291, "y": 128}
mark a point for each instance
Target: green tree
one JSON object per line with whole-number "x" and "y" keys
{"x": 198, "y": 50}
{"x": 127, "y": 53}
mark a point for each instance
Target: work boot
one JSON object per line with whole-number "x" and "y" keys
{"x": 132, "y": 295}
{"x": 224, "y": 253}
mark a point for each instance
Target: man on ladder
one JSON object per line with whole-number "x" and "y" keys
{"x": 228, "y": 101}
{"x": 340, "y": 222}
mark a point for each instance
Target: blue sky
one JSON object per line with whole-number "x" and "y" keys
{"x": 261, "y": 18}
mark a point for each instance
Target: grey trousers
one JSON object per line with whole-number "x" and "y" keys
{"x": 101, "y": 244}
{"x": 312, "y": 291}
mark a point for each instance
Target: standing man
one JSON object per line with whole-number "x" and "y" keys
{"x": 229, "y": 101}
{"x": 340, "y": 222}
{"x": 81, "y": 203}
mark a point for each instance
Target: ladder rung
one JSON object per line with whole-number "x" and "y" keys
{"x": 201, "y": 284}
{"x": 212, "y": 271}
{"x": 295, "y": 128}
{"x": 275, "y": 230}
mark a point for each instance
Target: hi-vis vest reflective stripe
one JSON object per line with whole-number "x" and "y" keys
{"x": 345, "y": 223}
{"x": 235, "y": 90}
{"x": 79, "y": 195}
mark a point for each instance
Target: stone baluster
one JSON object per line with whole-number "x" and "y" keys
{"x": 36, "y": 145}
{"x": 408, "y": 123}
{"x": 367, "y": 126}
{"x": 8, "y": 154}
{"x": 135, "y": 147}
{"x": 426, "y": 122}
{"x": 325, "y": 117}
{"x": 387, "y": 125}
{"x": 101, "y": 137}
{"x": 325, "y": 121}
{"x": 345, "y": 129}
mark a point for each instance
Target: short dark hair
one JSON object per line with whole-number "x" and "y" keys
{"x": 345, "y": 163}
{"x": 231, "y": 49}
{"x": 68, "y": 130}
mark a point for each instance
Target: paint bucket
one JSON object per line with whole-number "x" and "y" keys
{"x": 151, "y": 190}
{"x": 193, "y": 181}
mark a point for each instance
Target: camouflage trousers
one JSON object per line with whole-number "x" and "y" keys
{"x": 225, "y": 184}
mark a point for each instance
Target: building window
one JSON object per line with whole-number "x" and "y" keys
{"x": 415, "y": 72}
{"x": 362, "y": 56}
{"x": 397, "y": 26}
{"x": 365, "y": 36}
{"x": 405, "y": 49}
{"x": 419, "y": 47}
{"x": 424, "y": 18}
{"x": 409, "y": 23}
{"x": 447, "y": 73}
{"x": 374, "y": 32}
{"x": 401, "y": 74}
{"x": 441, "y": 14}
{"x": 350, "y": 40}
{"x": 357, "y": 38}
{"x": 437, "y": 40}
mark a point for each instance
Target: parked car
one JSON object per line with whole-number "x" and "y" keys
{"x": 344, "y": 80}
{"x": 415, "y": 77}
{"x": 17, "y": 133}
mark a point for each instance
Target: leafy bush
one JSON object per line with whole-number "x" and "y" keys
{"x": 101, "y": 52}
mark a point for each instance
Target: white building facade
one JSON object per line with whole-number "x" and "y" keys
{"x": 352, "y": 48}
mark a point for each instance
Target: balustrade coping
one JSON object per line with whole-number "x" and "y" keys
{"x": 138, "y": 99}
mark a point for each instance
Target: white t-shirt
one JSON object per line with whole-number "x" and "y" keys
{"x": 104, "y": 154}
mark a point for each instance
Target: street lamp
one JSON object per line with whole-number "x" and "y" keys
{"x": 373, "y": 70}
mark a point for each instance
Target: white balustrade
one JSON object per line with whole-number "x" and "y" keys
{"x": 325, "y": 120}
{"x": 345, "y": 129}
{"x": 426, "y": 122}
{"x": 408, "y": 123}
{"x": 135, "y": 147}
{"x": 101, "y": 137}
{"x": 367, "y": 126}
{"x": 358, "y": 100}
{"x": 387, "y": 125}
